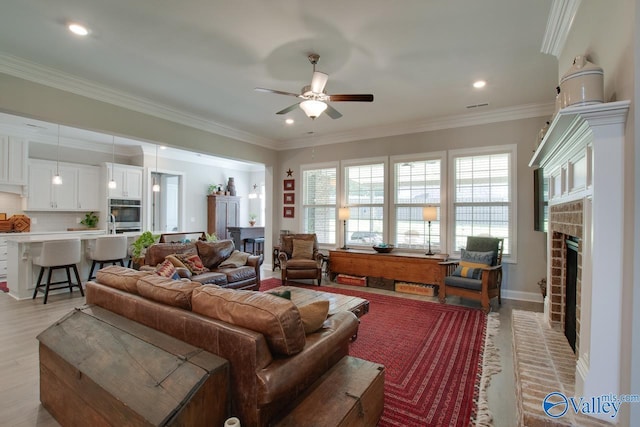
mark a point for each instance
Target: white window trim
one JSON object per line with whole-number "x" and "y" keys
{"x": 479, "y": 151}
{"x": 343, "y": 188}
{"x": 433, "y": 155}
{"x": 300, "y": 204}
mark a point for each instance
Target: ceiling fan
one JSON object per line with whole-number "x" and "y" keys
{"x": 314, "y": 98}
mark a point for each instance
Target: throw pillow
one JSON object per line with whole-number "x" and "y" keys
{"x": 167, "y": 269}
{"x": 283, "y": 294}
{"x": 302, "y": 249}
{"x": 313, "y": 315}
{"x": 237, "y": 259}
{"x": 175, "y": 261}
{"x": 472, "y": 263}
{"x": 193, "y": 263}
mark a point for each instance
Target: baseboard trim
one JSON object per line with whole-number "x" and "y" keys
{"x": 522, "y": 296}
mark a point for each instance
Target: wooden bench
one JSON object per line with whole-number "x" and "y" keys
{"x": 349, "y": 394}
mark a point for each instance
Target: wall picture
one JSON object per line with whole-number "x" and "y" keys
{"x": 288, "y": 212}
{"x": 289, "y": 184}
{"x": 289, "y": 198}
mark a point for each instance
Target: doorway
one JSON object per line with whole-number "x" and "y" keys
{"x": 166, "y": 213}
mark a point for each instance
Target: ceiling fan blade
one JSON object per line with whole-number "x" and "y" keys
{"x": 318, "y": 82}
{"x": 332, "y": 112}
{"x": 277, "y": 92}
{"x": 352, "y": 97}
{"x": 289, "y": 108}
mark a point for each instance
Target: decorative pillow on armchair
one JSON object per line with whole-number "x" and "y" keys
{"x": 302, "y": 249}
{"x": 472, "y": 263}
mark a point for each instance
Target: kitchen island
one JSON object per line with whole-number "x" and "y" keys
{"x": 22, "y": 275}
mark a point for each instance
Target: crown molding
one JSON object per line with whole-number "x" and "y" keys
{"x": 449, "y": 122}
{"x": 559, "y": 23}
{"x": 36, "y": 73}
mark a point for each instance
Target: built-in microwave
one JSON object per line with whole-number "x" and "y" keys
{"x": 126, "y": 214}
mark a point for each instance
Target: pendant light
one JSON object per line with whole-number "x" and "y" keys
{"x": 112, "y": 182}
{"x": 156, "y": 186}
{"x": 56, "y": 178}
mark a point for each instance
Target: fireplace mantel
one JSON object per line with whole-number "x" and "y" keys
{"x": 583, "y": 157}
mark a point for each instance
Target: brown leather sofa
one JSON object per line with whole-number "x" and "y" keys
{"x": 212, "y": 255}
{"x": 271, "y": 361}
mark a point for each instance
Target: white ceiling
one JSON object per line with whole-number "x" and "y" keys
{"x": 202, "y": 59}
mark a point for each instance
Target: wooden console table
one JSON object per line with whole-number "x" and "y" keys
{"x": 399, "y": 266}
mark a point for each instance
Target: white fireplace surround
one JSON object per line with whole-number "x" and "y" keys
{"x": 582, "y": 155}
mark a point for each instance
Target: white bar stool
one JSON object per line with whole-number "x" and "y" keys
{"x": 57, "y": 254}
{"x": 108, "y": 250}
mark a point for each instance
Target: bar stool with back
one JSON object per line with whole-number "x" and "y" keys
{"x": 57, "y": 254}
{"x": 108, "y": 250}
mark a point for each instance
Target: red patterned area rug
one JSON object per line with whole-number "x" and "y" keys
{"x": 3, "y": 287}
{"x": 433, "y": 355}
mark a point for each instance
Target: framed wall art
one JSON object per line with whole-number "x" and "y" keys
{"x": 288, "y": 212}
{"x": 289, "y": 184}
{"x": 289, "y": 198}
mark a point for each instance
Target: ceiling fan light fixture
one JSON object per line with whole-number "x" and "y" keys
{"x": 313, "y": 108}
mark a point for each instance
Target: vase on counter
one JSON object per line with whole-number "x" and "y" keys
{"x": 231, "y": 187}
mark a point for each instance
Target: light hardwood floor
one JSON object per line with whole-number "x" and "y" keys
{"x": 23, "y": 320}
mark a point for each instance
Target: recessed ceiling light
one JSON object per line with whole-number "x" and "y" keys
{"x": 78, "y": 29}
{"x": 479, "y": 84}
{"x": 289, "y": 121}
{"x": 162, "y": 147}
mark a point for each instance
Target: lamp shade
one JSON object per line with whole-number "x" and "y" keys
{"x": 343, "y": 214}
{"x": 313, "y": 108}
{"x": 429, "y": 213}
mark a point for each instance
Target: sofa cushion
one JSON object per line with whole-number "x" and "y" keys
{"x": 302, "y": 264}
{"x": 192, "y": 262}
{"x": 276, "y": 318}
{"x": 313, "y": 315}
{"x": 237, "y": 259}
{"x": 238, "y": 274}
{"x": 213, "y": 253}
{"x": 167, "y": 269}
{"x": 122, "y": 278}
{"x": 211, "y": 278}
{"x": 176, "y": 293}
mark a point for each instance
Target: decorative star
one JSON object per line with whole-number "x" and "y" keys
{"x": 289, "y": 172}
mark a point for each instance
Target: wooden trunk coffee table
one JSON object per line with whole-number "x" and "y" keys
{"x": 337, "y": 302}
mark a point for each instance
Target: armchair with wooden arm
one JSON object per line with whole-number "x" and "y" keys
{"x": 478, "y": 275}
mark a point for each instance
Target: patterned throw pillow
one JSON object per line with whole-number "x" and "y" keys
{"x": 167, "y": 269}
{"x": 302, "y": 249}
{"x": 192, "y": 262}
{"x": 472, "y": 263}
{"x": 175, "y": 261}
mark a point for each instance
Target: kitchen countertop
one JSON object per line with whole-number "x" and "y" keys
{"x": 38, "y": 237}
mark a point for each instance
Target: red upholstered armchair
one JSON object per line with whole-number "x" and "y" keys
{"x": 299, "y": 257}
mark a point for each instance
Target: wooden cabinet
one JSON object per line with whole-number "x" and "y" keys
{"x": 13, "y": 160}
{"x": 409, "y": 267}
{"x": 128, "y": 182}
{"x": 79, "y": 190}
{"x": 222, "y": 212}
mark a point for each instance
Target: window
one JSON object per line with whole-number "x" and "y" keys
{"x": 483, "y": 186}
{"x": 365, "y": 188}
{"x": 417, "y": 184}
{"x": 319, "y": 203}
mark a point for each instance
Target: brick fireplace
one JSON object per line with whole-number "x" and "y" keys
{"x": 565, "y": 222}
{"x": 582, "y": 157}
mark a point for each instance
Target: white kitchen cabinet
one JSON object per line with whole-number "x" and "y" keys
{"x": 79, "y": 191}
{"x": 89, "y": 188}
{"x": 13, "y": 160}
{"x": 128, "y": 182}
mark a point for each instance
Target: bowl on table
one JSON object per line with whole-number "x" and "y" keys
{"x": 383, "y": 249}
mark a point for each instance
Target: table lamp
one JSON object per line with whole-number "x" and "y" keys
{"x": 429, "y": 213}
{"x": 343, "y": 215}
